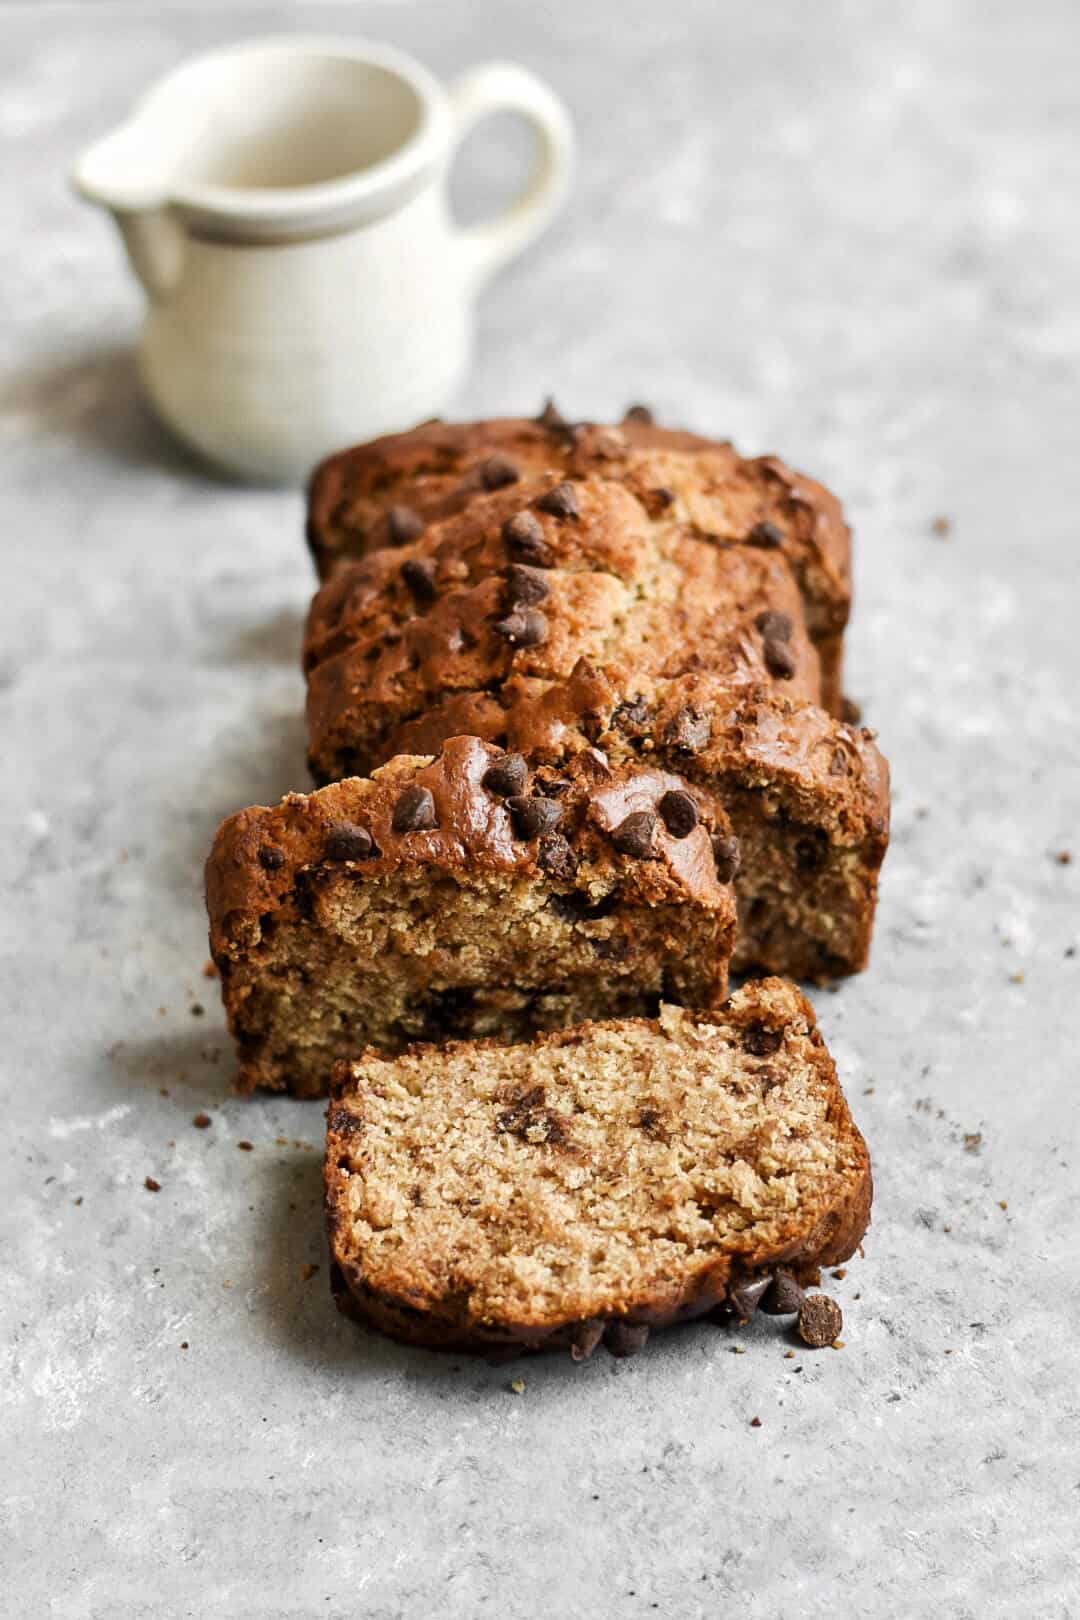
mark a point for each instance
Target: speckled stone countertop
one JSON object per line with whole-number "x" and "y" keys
{"x": 845, "y": 232}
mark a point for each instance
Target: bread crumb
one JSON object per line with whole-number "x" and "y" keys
{"x": 201, "y": 1121}
{"x": 789, "y": 1355}
{"x": 210, "y": 969}
{"x": 868, "y": 1091}
{"x": 151, "y": 1185}
{"x": 77, "y": 1201}
{"x": 518, "y": 1386}
{"x": 738, "y": 1350}
{"x": 246, "y": 1147}
{"x": 1003, "y": 1203}
{"x": 941, "y": 526}
{"x": 1063, "y": 857}
{"x": 1016, "y": 978}
{"x": 972, "y": 1141}
{"x": 840, "y": 1272}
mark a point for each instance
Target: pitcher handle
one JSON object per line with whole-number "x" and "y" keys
{"x": 505, "y": 87}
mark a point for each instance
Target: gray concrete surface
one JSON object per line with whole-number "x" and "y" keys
{"x": 847, "y": 232}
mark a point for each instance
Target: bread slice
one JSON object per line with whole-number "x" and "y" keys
{"x": 597, "y": 1183}
{"x": 466, "y": 895}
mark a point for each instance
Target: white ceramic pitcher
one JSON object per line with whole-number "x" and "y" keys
{"x": 284, "y": 205}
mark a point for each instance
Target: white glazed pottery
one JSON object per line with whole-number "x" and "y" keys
{"x": 284, "y": 205}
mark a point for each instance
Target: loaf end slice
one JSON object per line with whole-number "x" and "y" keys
{"x": 600, "y": 1182}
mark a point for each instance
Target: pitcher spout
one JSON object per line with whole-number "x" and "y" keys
{"x": 118, "y": 173}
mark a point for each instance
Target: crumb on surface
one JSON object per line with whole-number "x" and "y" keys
{"x": 1016, "y": 978}
{"x": 245, "y": 1146}
{"x": 755, "y": 1423}
{"x": 197, "y": 1009}
{"x": 517, "y": 1386}
{"x": 1064, "y": 857}
{"x": 941, "y": 526}
{"x": 201, "y": 1121}
{"x": 151, "y": 1185}
{"x": 210, "y": 969}
{"x": 972, "y": 1141}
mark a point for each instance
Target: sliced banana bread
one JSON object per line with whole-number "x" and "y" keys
{"x": 593, "y": 1184}
{"x": 469, "y": 894}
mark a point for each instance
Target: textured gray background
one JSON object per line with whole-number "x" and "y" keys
{"x": 847, "y": 232}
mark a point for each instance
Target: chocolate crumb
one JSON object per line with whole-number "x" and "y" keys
{"x": 726, "y": 855}
{"x": 679, "y": 812}
{"x": 840, "y": 1273}
{"x": 498, "y": 471}
{"x": 525, "y": 627}
{"x": 820, "y": 1321}
{"x": 634, "y": 835}
{"x": 77, "y": 1201}
{"x": 623, "y": 1339}
{"x": 418, "y": 573}
{"x": 151, "y": 1185}
{"x": 507, "y": 776}
{"x": 414, "y": 810}
{"x": 555, "y": 857}
{"x": 1064, "y": 857}
{"x": 765, "y": 536}
{"x": 197, "y": 1009}
{"x": 688, "y": 731}
{"x": 347, "y": 842}
{"x": 584, "y": 1338}
{"x": 403, "y": 525}
{"x": 755, "y": 1423}
{"x": 246, "y": 1147}
{"x": 760, "y": 1041}
{"x": 202, "y": 1121}
{"x": 785, "y": 1296}
{"x": 271, "y": 859}
{"x": 533, "y": 816}
{"x": 560, "y": 502}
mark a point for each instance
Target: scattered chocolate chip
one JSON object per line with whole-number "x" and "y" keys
{"x": 525, "y": 627}
{"x": 525, "y": 587}
{"x": 532, "y": 817}
{"x": 555, "y": 857}
{"x": 766, "y": 536}
{"x": 755, "y": 1423}
{"x": 760, "y": 1041}
{"x": 151, "y": 1185}
{"x": 747, "y": 1295}
{"x": 403, "y": 525}
{"x": 639, "y": 413}
{"x": 584, "y": 1338}
{"x": 688, "y": 730}
{"x": 779, "y": 658}
{"x": 271, "y": 859}
{"x": 622, "y": 1339}
{"x": 634, "y": 835}
{"x": 777, "y": 626}
{"x": 414, "y": 810}
{"x": 523, "y": 536}
{"x": 508, "y": 775}
{"x": 561, "y": 502}
{"x": 197, "y": 1009}
{"x": 498, "y": 471}
{"x": 820, "y": 1321}
{"x": 632, "y": 716}
{"x": 201, "y": 1121}
{"x": 679, "y": 812}
{"x": 726, "y": 855}
{"x": 348, "y": 842}
{"x": 785, "y": 1295}
{"x": 552, "y": 418}
{"x": 419, "y": 575}
{"x": 246, "y": 1147}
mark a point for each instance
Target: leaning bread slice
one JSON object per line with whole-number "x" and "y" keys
{"x": 467, "y": 895}
{"x": 596, "y": 1183}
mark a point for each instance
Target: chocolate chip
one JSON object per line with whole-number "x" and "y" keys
{"x": 523, "y": 536}
{"x": 414, "y": 811}
{"x": 532, "y": 817}
{"x": 634, "y": 835}
{"x": 639, "y": 413}
{"x": 726, "y": 855}
{"x": 584, "y": 1338}
{"x": 151, "y": 1185}
{"x": 561, "y": 502}
{"x": 525, "y": 586}
{"x": 632, "y": 716}
{"x": 688, "y": 730}
{"x": 348, "y": 842}
{"x": 508, "y": 775}
{"x": 403, "y": 525}
{"x": 419, "y": 575}
{"x": 760, "y": 1041}
{"x": 779, "y": 658}
{"x": 766, "y": 536}
{"x": 527, "y": 627}
{"x": 555, "y": 857}
{"x": 202, "y": 1122}
{"x": 678, "y": 812}
{"x": 778, "y": 626}
{"x": 785, "y": 1295}
{"x": 747, "y": 1294}
{"x": 623, "y": 1339}
{"x": 820, "y": 1321}
{"x": 271, "y": 859}
{"x": 498, "y": 471}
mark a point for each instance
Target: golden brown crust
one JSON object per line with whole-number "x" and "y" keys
{"x": 435, "y": 472}
{"x": 444, "y": 1315}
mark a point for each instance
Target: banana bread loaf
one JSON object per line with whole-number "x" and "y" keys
{"x": 385, "y": 493}
{"x": 594, "y": 1184}
{"x": 463, "y": 895}
{"x": 549, "y": 615}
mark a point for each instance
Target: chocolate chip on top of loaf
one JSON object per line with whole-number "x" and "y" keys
{"x": 596, "y": 1183}
{"x": 469, "y": 894}
{"x": 699, "y": 485}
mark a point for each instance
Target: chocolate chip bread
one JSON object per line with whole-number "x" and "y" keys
{"x": 599, "y": 1182}
{"x": 550, "y": 614}
{"x": 463, "y": 895}
{"x": 387, "y": 492}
